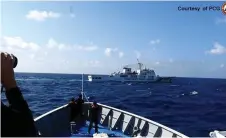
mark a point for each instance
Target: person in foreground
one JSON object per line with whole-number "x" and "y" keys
{"x": 16, "y": 119}
{"x": 79, "y": 102}
{"x": 94, "y": 117}
{"x": 73, "y": 107}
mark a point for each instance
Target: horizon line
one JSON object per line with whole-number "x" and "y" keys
{"x": 108, "y": 74}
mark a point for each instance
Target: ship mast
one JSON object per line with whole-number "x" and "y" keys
{"x": 84, "y": 97}
{"x": 139, "y": 64}
{"x": 82, "y": 87}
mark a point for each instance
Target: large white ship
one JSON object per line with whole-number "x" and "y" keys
{"x": 142, "y": 74}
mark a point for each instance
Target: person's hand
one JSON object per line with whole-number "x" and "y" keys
{"x": 7, "y": 73}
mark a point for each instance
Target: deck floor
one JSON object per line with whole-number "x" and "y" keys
{"x": 83, "y": 131}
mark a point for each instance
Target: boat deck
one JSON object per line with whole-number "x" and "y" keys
{"x": 83, "y": 131}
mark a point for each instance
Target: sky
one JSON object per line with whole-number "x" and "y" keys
{"x": 102, "y": 37}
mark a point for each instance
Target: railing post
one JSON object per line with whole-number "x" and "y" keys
{"x": 109, "y": 122}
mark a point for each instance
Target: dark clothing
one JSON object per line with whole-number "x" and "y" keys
{"x": 73, "y": 108}
{"x": 17, "y": 120}
{"x": 94, "y": 118}
{"x": 79, "y": 102}
{"x": 94, "y": 112}
{"x": 91, "y": 125}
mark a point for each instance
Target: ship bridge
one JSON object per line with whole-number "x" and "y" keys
{"x": 127, "y": 70}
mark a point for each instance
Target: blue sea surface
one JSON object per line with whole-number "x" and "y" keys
{"x": 192, "y": 106}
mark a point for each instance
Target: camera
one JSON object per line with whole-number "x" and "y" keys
{"x": 15, "y": 60}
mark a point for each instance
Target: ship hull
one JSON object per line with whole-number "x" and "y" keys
{"x": 117, "y": 79}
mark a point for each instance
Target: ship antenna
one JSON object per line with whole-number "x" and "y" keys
{"x": 140, "y": 64}
{"x": 82, "y": 86}
{"x": 82, "y": 92}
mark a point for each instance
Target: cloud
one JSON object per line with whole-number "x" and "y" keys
{"x": 51, "y": 56}
{"x": 137, "y": 54}
{"x": 217, "y": 49}
{"x": 221, "y": 20}
{"x": 18, "y": 43}
{"x": 153, "y": 42}
{"x": 32, "y": 56}
{"x": 157, "y": 62}
{"x": 222, "y": 65}
{"x": 86, "y": 48}
{"x": 121, "y": 54}
{"x": 94, "y": 63}
{"x": 109, "y": 51}
{"x": 113, "y": 51}
{"x": 53, "y": 44}
{"x": 41, "y": 15}
{"x": 91, "y": 63}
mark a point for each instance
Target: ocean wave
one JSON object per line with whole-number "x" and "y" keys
{"x": 174, "y": 85}
{"x": 34, "y": 79}
{"x": 141, "y": 90}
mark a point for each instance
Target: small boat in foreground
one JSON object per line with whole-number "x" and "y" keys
{"x": 114, "y": 123}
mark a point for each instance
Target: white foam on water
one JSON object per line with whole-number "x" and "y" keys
{"x": 20, "y": 79}
{"x": 35, "y": 79}
{"x": 194, "y": 93}
{"x": 75, "y": 80}
{"x": 174, "y": 85}
{"x": 31, "y": 94}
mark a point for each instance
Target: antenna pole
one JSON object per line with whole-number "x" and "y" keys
{"x": 82, "y": 86}
{"x": 83, "y": 94}
{"x": 139, "y": 64}
{"x": 82, "y": 81}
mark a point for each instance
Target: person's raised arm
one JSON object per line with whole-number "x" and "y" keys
{"x": 13, "y": 93}
{"x": 18, "y": 106}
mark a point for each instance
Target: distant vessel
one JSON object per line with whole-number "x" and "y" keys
{"x": 127, "y": 75}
